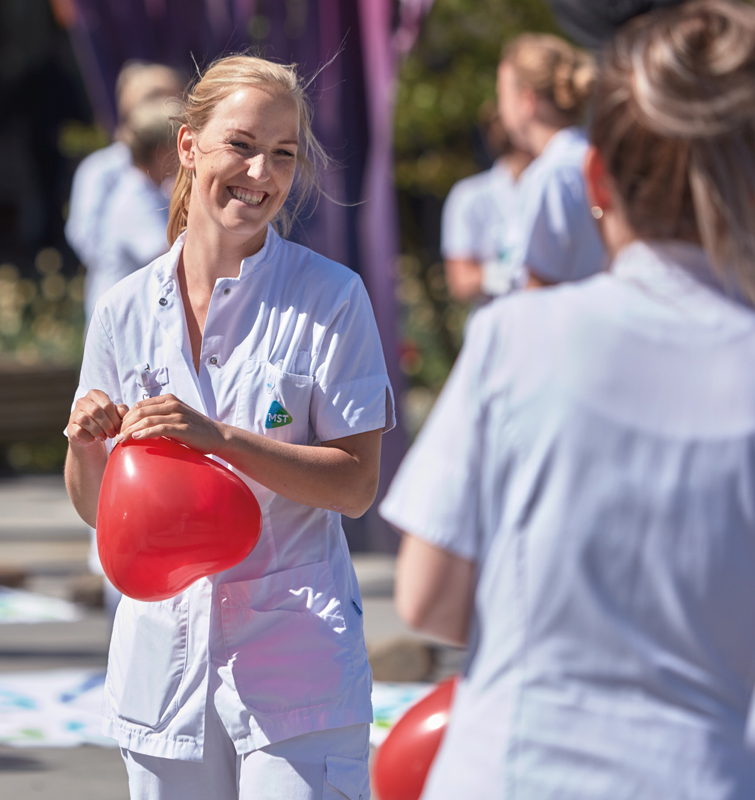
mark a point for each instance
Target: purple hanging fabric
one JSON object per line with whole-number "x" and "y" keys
{"x": 412, "y": 14}
{"x": 378, "y": 222}
{"x": 107, "y": 33}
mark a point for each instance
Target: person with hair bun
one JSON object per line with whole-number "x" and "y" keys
{"x": 579, "y": 508}
{"x": 253, "y": 682}
{"x": 97, "y": 176}
{"x": 479, "y": 222}
{"x": 544, "y": 86}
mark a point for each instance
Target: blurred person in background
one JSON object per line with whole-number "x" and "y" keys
{"x": 580, "y": 507}
{"x": 544, "y": 86}
{"x": 97, "y": 176}
{"x": 135, "y": 222}
{"x": 480, "y": 221}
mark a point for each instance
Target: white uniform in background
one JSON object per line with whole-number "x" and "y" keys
{"x": 594, "y": 454}
{"x": 134, "y": 233}
{"x": 92, "y": 189}
{"x": 272, "y": 648}
{"x": 480, "y": 222}
{"x": 560, "y": 237}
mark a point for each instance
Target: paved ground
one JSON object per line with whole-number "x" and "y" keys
{"x": 40, "y": 532}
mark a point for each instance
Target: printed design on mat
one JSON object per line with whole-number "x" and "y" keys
{"x": 277, "y": 416}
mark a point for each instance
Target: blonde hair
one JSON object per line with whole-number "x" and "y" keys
{"x": 222, "y": 78}
{"x": 554, "y": 70}
{"x": 674, "y": 120}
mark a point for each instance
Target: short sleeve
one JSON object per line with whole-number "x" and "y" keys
{"x": 435, "y": 493}
{"x": 351, "y": 392}
{"x": 458, "y": 235}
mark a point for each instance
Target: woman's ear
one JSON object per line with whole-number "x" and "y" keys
{"x": 597, "y": 180}
{"x": 186, "y": 141}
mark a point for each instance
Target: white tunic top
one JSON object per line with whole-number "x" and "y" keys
{"x": 134, "y": 229}
{"x": 561, "y": 240}
{"x": 481, "y": 218}
{"x": 276, "y": 641}
{"x": 93, "y": 184}
{"x": 594, "y": 453}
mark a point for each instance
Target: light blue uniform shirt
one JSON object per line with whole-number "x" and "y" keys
{"x": 561, "y": 240}
{"x": 92, "y": 189}
{"x": 481, "y": 218}
{"x": 594, "y": 454}
{"x": 134, "y": 233}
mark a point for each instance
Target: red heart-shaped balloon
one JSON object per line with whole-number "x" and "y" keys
{"x": 404, "y": 759}
{"x": 168, "y": 515}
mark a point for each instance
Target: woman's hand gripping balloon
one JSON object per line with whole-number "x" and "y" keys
{"x": 168, "y": 416}
{"x": 94, "y": 418}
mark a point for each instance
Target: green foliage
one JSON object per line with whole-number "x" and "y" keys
{"x": 41, "y": 320}
{"x": 76, "y": 140}
{"x": 442, "y": 83}
{"x": 40, "y": 457}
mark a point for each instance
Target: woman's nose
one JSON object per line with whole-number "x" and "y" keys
{"x": 258, "y": 167}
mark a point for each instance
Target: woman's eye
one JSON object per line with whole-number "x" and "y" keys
{"x": 286, "y": 154}
{"x": 241, "y": 145}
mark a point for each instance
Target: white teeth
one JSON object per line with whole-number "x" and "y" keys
{"x": 252, "y": 198}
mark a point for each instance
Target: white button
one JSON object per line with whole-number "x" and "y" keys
{"x": 214, "y": 360}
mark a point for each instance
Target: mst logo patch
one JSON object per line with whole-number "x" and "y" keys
{"x": 277, "y": 416}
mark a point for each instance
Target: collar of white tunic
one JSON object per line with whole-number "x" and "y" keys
{"x": 680, "y": 278}
{"x": 564, "y": 145}
{"x": 165, "y": 269}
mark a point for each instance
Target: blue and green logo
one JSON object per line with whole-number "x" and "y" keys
{"x": 277, "y": 416}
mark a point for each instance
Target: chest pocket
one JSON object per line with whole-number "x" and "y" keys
{"x": 275, "y": 403}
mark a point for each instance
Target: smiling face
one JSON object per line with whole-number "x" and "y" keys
{"x": 243, "y": 163}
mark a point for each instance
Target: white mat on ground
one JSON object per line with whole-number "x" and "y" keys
{"x": 52, "y": 708}
{"x": 17, "y": 605}
{"x": 389, "y": 702}
{"x": 61, "y": 708}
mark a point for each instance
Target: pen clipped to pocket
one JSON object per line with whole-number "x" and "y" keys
{"x": 150, "y": 379}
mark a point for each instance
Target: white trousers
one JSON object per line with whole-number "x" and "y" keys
{"x": 325, "y": 765}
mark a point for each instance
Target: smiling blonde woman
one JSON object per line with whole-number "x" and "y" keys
{"x": 253, "y": 682}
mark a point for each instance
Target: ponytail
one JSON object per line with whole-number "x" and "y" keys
{"x": 178, "y": 215}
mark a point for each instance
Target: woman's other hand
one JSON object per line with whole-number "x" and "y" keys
{"x": 94, "y": 418}
{"x": 168, "y": 416}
